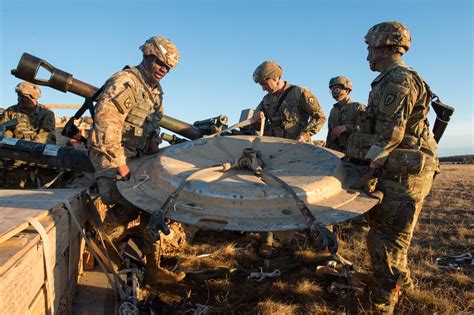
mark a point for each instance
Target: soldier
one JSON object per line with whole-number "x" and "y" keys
{"x": 34, "y": 122}
{"x": 289, "y": 111}
{"x": 344, "y": 117}
{"x": 403, "y": 159}
{"x": 126, "y": 127}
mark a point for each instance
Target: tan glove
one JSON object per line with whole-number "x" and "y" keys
{"x": 368, "y": 183}
{"x": 8, "y": 134}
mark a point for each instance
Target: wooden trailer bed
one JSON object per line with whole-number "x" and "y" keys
{"x": 37, "y": 275}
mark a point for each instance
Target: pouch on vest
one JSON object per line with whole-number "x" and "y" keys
{"x": 405, "y": 161}
{"x": 275, "y": 121}
{"x": 358, "y": 144}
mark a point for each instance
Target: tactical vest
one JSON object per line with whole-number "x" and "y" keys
{"x": 417, "y": 133}
{"x": 286, "y": 121}
{"x": 143, "y": 120}
{"x": 346, "y": 114}
{"x": 27, "y": 127}
{"x": 417, "y": 150}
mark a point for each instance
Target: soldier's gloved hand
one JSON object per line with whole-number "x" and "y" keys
{"x": 368, "y": 183}
{"x": 324, "y": 238}
{"x": 156, "y": 224}
{"x": 8, "y": 134}
{"x": 124, "y": 172}
{"x": 153, "y": 148}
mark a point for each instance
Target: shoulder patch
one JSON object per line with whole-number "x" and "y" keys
{"x": 125, "y": 99}
{"x": 309, "y": 97}
{"x": 393, "y": 97}
{"x": 389, "y": 98}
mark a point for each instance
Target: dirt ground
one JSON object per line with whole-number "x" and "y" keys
{"x": 225, "y": 261}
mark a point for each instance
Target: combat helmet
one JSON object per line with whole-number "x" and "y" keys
{"x": 163, "y": 49}
{"x": 341, "y": 80}
{"x": 267, "y": 70}
{"x": 27, "y": 88}
{"x": 389, "y": 34}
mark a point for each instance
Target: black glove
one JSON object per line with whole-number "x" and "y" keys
{"x": 156, "y": 224}
{"x": 324, "y": 238}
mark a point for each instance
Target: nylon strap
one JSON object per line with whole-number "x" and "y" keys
{"x": 119, "y": 284}
{"x": 47, "y": 261}
{"x": 280, "y": 101}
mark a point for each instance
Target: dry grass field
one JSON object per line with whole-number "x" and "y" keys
{"x": 225, "y": 260}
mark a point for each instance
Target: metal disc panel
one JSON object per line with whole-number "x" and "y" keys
{"x": 237, "y": 199}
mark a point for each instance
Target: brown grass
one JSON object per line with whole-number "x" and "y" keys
{"x": 446, "y": 227}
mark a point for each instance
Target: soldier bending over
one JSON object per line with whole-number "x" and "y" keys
{"x": 126, "y": 127}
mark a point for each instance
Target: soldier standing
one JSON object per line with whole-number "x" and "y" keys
{"x": 403, "y": 159}
{"x": 34, "y": 122}
{"x": 126, "y": 127}
{"x": 289, "y": 111}
{"x": 344, "y": 118}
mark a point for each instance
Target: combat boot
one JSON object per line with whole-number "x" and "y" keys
{"x": 155, "y": 274}
{"x": 385, "y": 301}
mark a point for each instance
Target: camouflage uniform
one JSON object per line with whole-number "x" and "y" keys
{"x": 343, "y": 114}
{"x": 297, "y": 114}
{"x": 402, "y": 142}
{"x": 38, "y": 125}
{"x": 128, "y": 114}
{"x": 127, "y": 119}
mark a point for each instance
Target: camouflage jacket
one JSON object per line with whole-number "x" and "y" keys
{"x": 127, "y": 119}
{"x": 347, "y": 114}
{"x": 397, "y": 115}
{"x": 38, "y": 125}
{"x": 299, "y": 114}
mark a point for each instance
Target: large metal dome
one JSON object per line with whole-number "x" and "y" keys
{"x": 239, "y": 200}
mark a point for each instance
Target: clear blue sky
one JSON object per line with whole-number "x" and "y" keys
{"x": 222, "y": 42}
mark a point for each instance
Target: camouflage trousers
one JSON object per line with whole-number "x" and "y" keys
{"x": 391, "y": 230}
{"x": 121, "y": 214}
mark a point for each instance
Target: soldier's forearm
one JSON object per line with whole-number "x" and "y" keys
{"x": 352, "y": 128}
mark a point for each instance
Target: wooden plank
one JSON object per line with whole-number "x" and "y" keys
{"x": 10, "y": 228}
{"x": 62, "y": 106}
{"x": 22, "y": 276}
{"x": 17, "y": 205}
{"x": 38, "y": 307}
{"x": 20, "y": 285}
{"x": 16, "y": 241}
{"x": 42, "y": 194}
{"x": 57, "y": 226}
